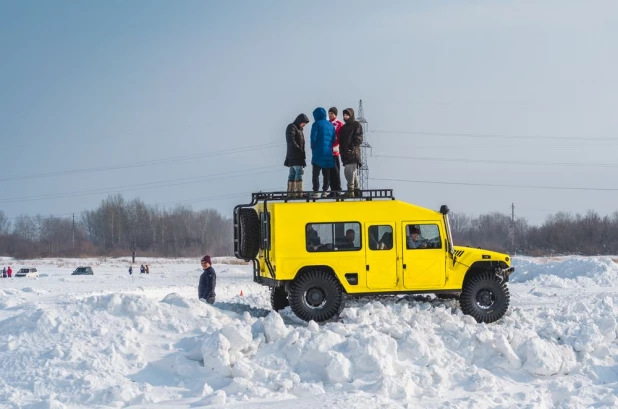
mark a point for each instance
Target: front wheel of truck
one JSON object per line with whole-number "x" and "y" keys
{"x": 315, "y": 295}
{"x": 485, "y": 297}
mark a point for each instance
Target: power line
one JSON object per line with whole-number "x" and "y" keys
{"x": 501, "y": 162}
{"x": 498, "y": 185}
{"x": 193, "y": 200}
{"x": 501, "y": 136}
{"x": 167, "y": 160}
{"x": 142, "y": 186}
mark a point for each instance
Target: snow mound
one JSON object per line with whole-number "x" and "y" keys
{"x": 401, "y": 352}
{"x": 566, "y": 272}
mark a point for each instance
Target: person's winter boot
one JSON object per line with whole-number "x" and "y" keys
{"x": 349, "y": 193}
{"x": 291, "y": 188}
{"x": 299, "y": 188}
{"x": 357, "y": 193}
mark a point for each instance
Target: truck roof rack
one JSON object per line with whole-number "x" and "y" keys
{"x": 360, "y": 195}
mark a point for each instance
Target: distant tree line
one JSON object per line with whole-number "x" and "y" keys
{"x": 560, "y": 234}
{"x": 116, "y": 228}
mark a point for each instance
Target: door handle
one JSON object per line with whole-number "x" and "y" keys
{"x": 367, "y": 267}
{"x": 404, "y": 266}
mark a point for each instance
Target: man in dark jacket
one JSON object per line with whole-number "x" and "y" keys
{"x": 208, "y": 282}
{"x": 335, "y": 179}
{"x": 322, "y": 139}
{"x": 295, "y": 158}
{"x": 350, "y": 141}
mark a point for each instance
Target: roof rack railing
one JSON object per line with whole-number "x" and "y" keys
{"x": 366, "y": 195}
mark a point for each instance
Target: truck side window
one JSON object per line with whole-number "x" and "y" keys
{"x": 380, "y": 237}
{"x": 333, "y": 236}
{"x": 423, "y": 236}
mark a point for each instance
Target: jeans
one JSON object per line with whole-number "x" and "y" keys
{"x": 351, "y": 176}
{"x": 316, "y": 178}
{"x": 335, "y": 179}
{"x": 296, "y": 174}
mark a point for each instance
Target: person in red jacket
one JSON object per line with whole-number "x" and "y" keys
{"x": 335, "y": 179}
{"x": 9, "y": 272}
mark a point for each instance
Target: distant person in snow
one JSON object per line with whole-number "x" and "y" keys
{"x": 9, "y": 272}
{"x": 130, "y": 270}
{"x": 322, "y": 140}
{"x": 295, "y": 158}
{"x": 208, "y": 281}
{"x": 4, "y": 272}
{"x": 350, "y": 141}
{"x": 147, "y": 269}
{"x": 335, "y": 178}
{"x": 142, "y": 269}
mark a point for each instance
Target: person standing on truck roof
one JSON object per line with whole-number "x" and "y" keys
{"x": 295, "y": 158}
{"x": 208, "y": 281}
{"x": 350, "y": 141}
{"x": 335, "y": 178}
{"x": 322, "y": 140}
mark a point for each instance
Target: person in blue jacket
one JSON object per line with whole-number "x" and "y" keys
{"x": 322, "y": 139}
{"x": 208, "y": 282}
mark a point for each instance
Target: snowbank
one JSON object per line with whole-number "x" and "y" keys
{"x": 150, "y": 344}
{"x": 566, "y": 272}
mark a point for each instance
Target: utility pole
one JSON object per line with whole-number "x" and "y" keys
{"x": 363, "y": 171}
{"x": 73, "y": 229}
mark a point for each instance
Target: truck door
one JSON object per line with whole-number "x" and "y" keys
{"x": 381, "y": 256}
{"x": 423, "y": 255}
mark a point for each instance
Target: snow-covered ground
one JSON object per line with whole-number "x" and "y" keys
{"x": 111, "y": 340}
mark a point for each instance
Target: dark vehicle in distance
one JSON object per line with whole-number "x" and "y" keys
{"x": 83, "y": 271}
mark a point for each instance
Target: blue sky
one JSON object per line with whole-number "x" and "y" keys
{"x": 213, "y": 84}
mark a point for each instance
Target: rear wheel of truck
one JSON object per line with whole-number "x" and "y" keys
{"x": 249, "y": 233}
{"x": 278, "y": 298}
{"x": 485, "y": 297}
{"x": 315, "y": 295}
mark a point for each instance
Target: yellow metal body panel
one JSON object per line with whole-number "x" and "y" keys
{"x": 394, "y": 270}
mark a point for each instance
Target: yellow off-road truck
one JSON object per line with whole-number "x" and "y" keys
{"x": 311, "y": 251}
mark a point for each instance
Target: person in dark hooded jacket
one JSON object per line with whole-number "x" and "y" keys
{"x": 350, "y": 140}
{"x": 322, "y": 139}
{"x": 208, "y": 281}
{"x": 295, "y": 158}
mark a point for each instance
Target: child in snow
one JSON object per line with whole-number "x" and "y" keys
{"x": 208, "y": 281}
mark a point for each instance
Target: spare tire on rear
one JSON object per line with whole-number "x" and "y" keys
{"x": 249, "y": 233}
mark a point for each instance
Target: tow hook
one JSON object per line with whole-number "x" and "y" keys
{"x": 504, "y": 273}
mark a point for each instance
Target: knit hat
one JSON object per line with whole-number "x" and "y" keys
{"x": 414, "y": 230}
{"x": 333, "y": 110}
{"x": 206, "y": 259}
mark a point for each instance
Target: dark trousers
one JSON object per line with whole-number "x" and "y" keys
{"x": 335, "y": 179}
{"x": 316, "y": 178}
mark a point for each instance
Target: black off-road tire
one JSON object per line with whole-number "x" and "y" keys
{"x": 249, "y": 233}
{"x": 315, "y": 295}
{"x": 278, "y": 298}
{"x": 484, "y": 297}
